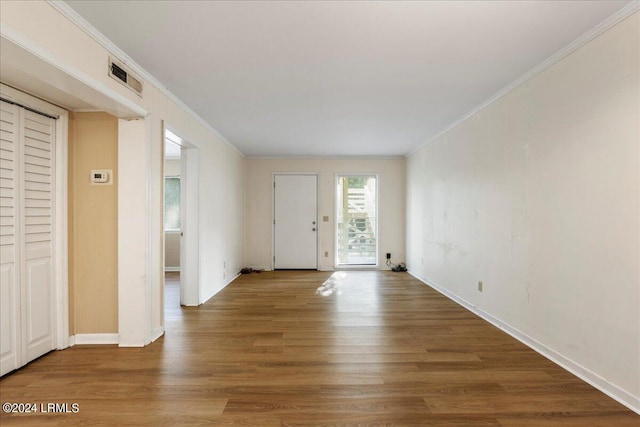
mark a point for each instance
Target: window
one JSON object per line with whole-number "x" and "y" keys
{"x": 357, "y": 220}
{"x": 172, "y": 203}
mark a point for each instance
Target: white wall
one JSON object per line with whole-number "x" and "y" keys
{"x": 133, "y": 286}
{"x": 537, "y": 195}
{"x": 259, "y": 204}
{"x": 221, "y": 218}
{"x": 172, "y": 167}
{"x": 47, "y": 31}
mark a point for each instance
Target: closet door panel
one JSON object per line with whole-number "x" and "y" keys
{"x": 26, "y": 236}
{"x": 10, "y": 333}
{"x": 37, "y": 309}
{"x": 9, "y": 348}
{"x": 37, "y": 294}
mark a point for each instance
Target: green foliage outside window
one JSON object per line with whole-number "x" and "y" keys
{"x": 357, "y": 181}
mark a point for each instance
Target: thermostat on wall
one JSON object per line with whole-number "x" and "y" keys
{"x": 102, "y": 176}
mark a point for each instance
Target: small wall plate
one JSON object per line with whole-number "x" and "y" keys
{"x": 101, "y": 177}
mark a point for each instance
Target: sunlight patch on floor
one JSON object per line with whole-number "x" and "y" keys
{"x": 332, "y": 284}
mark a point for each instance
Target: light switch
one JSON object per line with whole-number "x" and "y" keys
{"x": 325, "y": 218}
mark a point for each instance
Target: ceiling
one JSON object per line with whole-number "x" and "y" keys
{"x": 329, "y": 78}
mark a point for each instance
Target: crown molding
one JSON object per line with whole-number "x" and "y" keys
{"x": 594, "y": 32}
{"x": 321, "y": 157}
{"x": 75, "y": 18}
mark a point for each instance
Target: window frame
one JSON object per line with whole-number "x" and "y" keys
{"x": 164, "y": 225}
{"x": 336, "y": 230}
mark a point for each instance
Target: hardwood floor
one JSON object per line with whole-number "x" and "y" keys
{"x": 314, "y": 349}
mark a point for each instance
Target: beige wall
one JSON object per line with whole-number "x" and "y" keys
{"x": 259, "y": 204}
{"x": 172, "y": 250}
{"x": 537, "y": 196}
{"x": 93, "y": 224}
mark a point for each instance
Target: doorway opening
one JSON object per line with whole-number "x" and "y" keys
{"x": 357, "y": 220}
{"x": 181, "y": 219}
{"x": 172, "y": 225}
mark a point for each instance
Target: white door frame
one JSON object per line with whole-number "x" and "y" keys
{"x": 189, "y": 218}
{"x": 273, "y": 217}
{"x": 337, "y": 265}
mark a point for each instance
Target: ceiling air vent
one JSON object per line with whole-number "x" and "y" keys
{"x": 118, "y": 71}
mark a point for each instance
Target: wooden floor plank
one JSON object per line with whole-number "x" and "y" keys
{"x": 279, "y": 349}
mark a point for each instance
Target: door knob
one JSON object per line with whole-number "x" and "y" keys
{"x": 314, "y": 223}
{"x": 313, "y": 229}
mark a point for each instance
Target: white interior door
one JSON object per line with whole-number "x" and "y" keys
{"x": 295, "y": 222}
{"x": 189, "y": 226}
{"x": 26, "y": 241}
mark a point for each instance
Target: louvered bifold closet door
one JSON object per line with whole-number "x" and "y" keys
{"x": 26, "y": 240}
{"x": 10, "y": 344}
{"x": 37, "y": 212}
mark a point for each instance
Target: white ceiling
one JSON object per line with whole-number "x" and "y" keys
{"x": 329, "y": 78}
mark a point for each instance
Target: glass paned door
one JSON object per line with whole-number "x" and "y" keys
{"x": 357, "y": 220}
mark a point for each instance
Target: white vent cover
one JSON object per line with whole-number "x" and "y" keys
{"x": 121, "y": 73}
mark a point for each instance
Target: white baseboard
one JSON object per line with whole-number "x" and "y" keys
{"x": 622, "y": 396}
{"x": 85, "y": 339}
{"x": 170, "y": 269}
{"x": 226, "y": 283}
{"x": 230, "y": 280}
{"x": 133, "y": 344}
{"x": 157, "y": 334}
